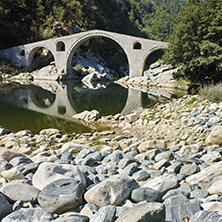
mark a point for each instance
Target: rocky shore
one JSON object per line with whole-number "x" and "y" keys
{"x": 158, "y": 164}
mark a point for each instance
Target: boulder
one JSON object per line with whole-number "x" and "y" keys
{"x": 12, "y": 174}
{"x": 9, "y": 154}
{"x": 216, "y": 188}
{"x": 88, "y": 116}
{"x": 215, "y": 136}
{"x": 152, "y": 144}
{"x": 178, "y": 207}
{"x": 49, "y": 172}
{"x": 214, "y": 206}
{"x": 144, "y": 212}
{"x": 163, "y": 183}
{"x": 5, "y": 207}
{"x": 20, "y": 191}
{"x": 206, "y": 177}
{"x": 111, "y": 191}
{"x": 27, "y": 214}
{"x": 206, "y": 216}
{"x": 104, "y": 214}
{"x": 62, "y": 195}
{"x": 145, "y": 194}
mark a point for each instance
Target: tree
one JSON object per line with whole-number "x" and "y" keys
{"x": 196, "y": 42}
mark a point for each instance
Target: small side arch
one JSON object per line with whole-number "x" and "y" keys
{"x": 60, "y": 47}
{"x": 137, "y": 45}
{"x": 22, "y": 52}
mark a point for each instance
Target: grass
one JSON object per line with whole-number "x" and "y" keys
{"x": 213, "y": 93}
{"x": 191, "y": 101}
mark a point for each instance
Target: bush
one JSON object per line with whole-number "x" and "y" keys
{"x": 211, "y": 92}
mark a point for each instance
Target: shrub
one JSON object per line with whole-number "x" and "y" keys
{"x": 211, "y": 92}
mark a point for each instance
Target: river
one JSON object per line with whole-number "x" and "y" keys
{"x": 42, "y": 104}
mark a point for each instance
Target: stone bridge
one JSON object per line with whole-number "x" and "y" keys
{"x": 63, "y": 48}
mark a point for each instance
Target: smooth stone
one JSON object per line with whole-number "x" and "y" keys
{"x": 199, "y": 193}
{"x": 73, "y": 147}
{"x": 145, "y": 193}
{"x": 111, "y": 191}
{"x": 216, "y": 188}
{"x": 28, "y": 215}
{"x": 176, "y": 192}
{"x": 5, "y": 207}
{"x": 212, "y": 206}
{"x": 89, "y": 209}
{"x": 190, "y": 149}
{"x": 161, "y": 163}
{"x": 20, "y": 191}
{"x": 144, "y": 212}
{"x": 175, "y": 167}
{"x": 168, "y": 155}
{"x": 9, "y": 154}
{"x": 67, "y": 156}
{"x": 49, "y": 172}
{"x": 189, "y": 169}
{"x": 126, "y": 161}
{"x": 152, "y": 144}
{"x": 86, "y": 151}
{"x": 211, "y": 157}
{"x": 206, "y": 177}
{"x": 12, "y": 174}
{"x": 61, "y": 195}
{"x": 20, "y": 160}
{"x": 178, "y": 207}
{"x": 104, "y": 214}
{"x": 141, "y": 175}
{"x": 206, "y": 216}
{"x": 215, "y": 136}
{"x": 72, "y": 218}
{"x": 130, "y": 169}
{"x": 49, "y": 132}
{"x": 115, "y": 157}
{"x": 92, "y": 158}
{"x": 163, "y": 183}
{"x": 107, "y": 169}
{"x": 4, "y": 165}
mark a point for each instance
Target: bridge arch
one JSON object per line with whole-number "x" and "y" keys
{"x": 31, "y": 54}
{"x": 150, "y": 52}
{"x": 86, "y": 37}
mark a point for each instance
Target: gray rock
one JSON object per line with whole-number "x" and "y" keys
{"x": 141, "y": 175}
{"x": 216, "y": 188}
{"x": 126, "y": 161}
{"x": 152, "y": 144}
{"x": 49, "y": 172}
{"x": 130, "y": 154}
{"x": 105, "y": 214}
{"x": 67, "y": 156}
{"x": 20, "y": 191}
{"x": 145, "y": 193}
{"x": 5, "y": 207}
{"x": 206, "y": 216}
{"x": 189, "y": 169}
{"x": 175, "y": 167}
{"x": 88, "y": 116}
{"x": 163, "y": 183}
{"x": 178, "y": 207}
{"x": 4, "y": 165}
{"x": 144, "y": 212}
{"x": 210, "y": 157}
{"x": 72, "y": 218}
{"x": 73, "y": 147}
{"x": 130, "y": 169}
{"x": 176, "y": 192}
{"x": 29, "y": 215}
{"x": 89, "y": 209}
{"x": 168, "y": 155}
{"x": 199, "y": 193}
{"x": 111, "y": 191}
{"x": 107, "y": 169}
{"x": 115, "y": 157}
{"x": 91, "y": 159}
{"x": 9, "y": 154}
{"x": 20, "y": 160}
{"x": 61, "y": 195}
{"x": 83, "y": 153}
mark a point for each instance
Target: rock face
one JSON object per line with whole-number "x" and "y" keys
{"x": 61, "y": 195}
{"x": 144, "y": 212}
{"x": 215, "y": 137}
{"x": 111, "y": 191}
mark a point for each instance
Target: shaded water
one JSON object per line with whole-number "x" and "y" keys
{"x": 42, "y": 105}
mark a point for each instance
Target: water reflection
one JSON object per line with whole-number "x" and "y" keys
{"x": 51, "y": 104}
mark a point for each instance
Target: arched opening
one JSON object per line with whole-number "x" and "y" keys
{"x": 154, "y": 56}
{"x": 61, "y": 110}
{"x": 39, "y": 57}
{"x": 137, "y": 45}
{"x": 60, "y": 46}
{"x": 22, "y": 53}
{"x": 98, "y": 53}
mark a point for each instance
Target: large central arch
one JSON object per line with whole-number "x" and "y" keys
{"x": 81, "y": 40}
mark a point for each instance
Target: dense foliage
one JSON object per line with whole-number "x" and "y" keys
{"x": 196, "y": 43}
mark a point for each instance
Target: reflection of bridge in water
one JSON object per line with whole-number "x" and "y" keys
{"x": 63, "y": 101}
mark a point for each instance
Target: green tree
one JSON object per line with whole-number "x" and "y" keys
{"x": 196, "y": 43}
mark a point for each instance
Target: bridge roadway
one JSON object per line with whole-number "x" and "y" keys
{"x": 63, "y": 48}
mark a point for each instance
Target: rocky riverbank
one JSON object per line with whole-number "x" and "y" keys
{"x": 158, "y": 164}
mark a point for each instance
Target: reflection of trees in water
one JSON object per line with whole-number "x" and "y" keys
{"x": 6, "y": 89}
{"x": 108, "y": 101}
{"x": 40, "y": 97}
